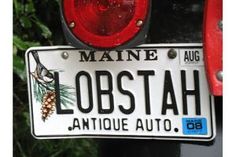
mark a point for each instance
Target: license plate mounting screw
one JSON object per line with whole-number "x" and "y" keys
{"x": 172, "y": 54}
{"x": 65, "y": 55}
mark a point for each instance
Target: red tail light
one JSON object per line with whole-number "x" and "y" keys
{"x": 213, "y": 46}
{"x": 105, "y": 23}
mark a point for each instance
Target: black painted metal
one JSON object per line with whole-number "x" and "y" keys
{"x": 172, "y": 21}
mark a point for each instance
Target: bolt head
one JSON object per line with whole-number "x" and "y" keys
{"x": 65, "y": 55}
{"x": 172, "y": 54}
{"x": 139, "y": 23}
{"x": 219, "y": 76}
{"x": 72, "y": 24}
{"x": 220, "y": 24}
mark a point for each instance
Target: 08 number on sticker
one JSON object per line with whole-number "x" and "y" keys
{"x": 194, "y": 126}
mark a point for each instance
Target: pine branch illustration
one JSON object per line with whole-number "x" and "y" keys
{"x": 67, "y": 97}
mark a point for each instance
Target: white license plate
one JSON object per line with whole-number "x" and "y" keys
{"x": 135, "y": 93}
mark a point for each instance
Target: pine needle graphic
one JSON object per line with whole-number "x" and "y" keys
{"x": 45, "y": 94}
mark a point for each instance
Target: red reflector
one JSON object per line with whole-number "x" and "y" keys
{"x": 105, "y": 23}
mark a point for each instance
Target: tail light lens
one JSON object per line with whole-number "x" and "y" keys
{"x": 104, "y": 23}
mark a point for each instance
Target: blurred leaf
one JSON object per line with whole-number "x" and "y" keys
{"x": 45, "y": 30}
{"x": 23, "y": 45}
{"x": 19, "y": 43}
{"x": 19, "y": 67}
{"x": 27, "y": 118}
{"x": 25, "y": 22}
{"x": 14, "y": 50}
{"x": 29, "y": 8}
{"x": 17, "y": 7}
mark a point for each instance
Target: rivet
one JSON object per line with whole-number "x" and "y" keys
{"x": 72, "y": 25}
{"x": 219, "y": 76}
{"x": 172, "y": 54}
{"x": 139, "y": 23}
{"x": 220, "y": 24}
{"x": 65, "y": 55}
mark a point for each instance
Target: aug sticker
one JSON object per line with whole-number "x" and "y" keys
{"x": 191, "y": 57}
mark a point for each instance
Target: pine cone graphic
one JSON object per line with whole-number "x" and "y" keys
{"x": 48, "y": 104}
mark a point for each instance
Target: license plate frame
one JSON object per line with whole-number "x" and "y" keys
{"x": 189, "y": 135}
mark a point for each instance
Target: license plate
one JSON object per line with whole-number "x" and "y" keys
{"x": 155, "y": 91}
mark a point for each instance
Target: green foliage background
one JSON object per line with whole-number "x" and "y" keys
{"x": 37, "y": 23}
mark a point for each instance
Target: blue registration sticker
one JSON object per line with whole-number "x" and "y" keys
{"x": 194, "y": 126}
